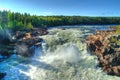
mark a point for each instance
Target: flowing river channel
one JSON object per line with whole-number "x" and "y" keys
{"x": 61, "y": 56}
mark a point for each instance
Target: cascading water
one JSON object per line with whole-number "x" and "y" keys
{"x": 5, "y": 33}
{"x": 63, "y": 56}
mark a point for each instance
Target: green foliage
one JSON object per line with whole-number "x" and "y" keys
{"x": 18, "y": 25}
{"x": 26, "y": 21}
{"x": 113, "y": 39}
{"x": 117, "y": 30}
{"x": 29, "y": 25}
{"x": 116, "y": 27}
{"x": 118, "y": 43}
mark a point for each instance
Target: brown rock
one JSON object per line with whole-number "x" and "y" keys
{"x": 98, "y": 43}
{"x": 108, "y": 55}
{"x": 27, "y": 35}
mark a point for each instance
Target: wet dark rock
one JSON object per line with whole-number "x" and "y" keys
{"x": 108, "y": 50}
{"x": 22, "y": 43}
{"x": 27, "y": 40}
{"x": 2, "y": 75}
{"x": 105, "y": 51}
{"x": 24, "y": 50}
{"x": 5, "y": 41}
{"x": 30, "y": 42}
{"x": 98, "y": 43}
{"x": 111, "y": 50}
{"x": 33, "y": 32}
{"x": 92, "y": 47}
{"x": 6, "y": 50}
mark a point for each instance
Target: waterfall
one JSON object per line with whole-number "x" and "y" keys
{"x": 5, "y": 34}
{"x": 62, "y": 56}
{"x": 38, "y": 52}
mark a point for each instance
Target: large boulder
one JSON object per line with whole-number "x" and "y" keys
{"x": 26, "y": 48}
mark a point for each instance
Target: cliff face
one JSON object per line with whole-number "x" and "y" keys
{"x": 106, "y": 47}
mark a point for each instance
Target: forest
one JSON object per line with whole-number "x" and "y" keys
{"x": 17, "y": 21}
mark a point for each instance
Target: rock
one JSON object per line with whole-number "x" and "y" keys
{"x": 115, "y": 71}
{"x": 111, "y": 50}
{"x": 28, "y": 35}
{"x": 31, "y": 33}
{"x": 6, "y": 50}
{"x": 22, "y": 43}
{"x": 30, "y": 41}
{"x": 92, "y": 47}
{"x": 101, "y": 44}
{"x": 2, "y": 75}
{"x": 98, "y": 43}
{"x": 24, "y": 50}
{"x": 27, "y": 39}
{"x": 5, "y": 41}
{"x": 25, "y": 47}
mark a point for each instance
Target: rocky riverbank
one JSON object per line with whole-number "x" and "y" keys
{"x": 106, "y": 46}
{"x": 20, "y": 42}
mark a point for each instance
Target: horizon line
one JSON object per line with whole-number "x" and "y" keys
{"x": 31, "y": 14}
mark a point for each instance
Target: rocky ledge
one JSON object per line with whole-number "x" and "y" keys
{"x": 20, "y": 42}
{"x": 106, "y": 46}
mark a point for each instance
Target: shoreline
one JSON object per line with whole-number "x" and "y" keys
{"x": 108, "y": 54}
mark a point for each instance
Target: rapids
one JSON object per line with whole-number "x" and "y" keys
{"x": 62, "y": 56}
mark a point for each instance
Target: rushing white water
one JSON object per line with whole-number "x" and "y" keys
{"x": 5, "y": 33}
{"x": 62, "y": 57}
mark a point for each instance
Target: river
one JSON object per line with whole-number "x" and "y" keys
{"x": 62, "y": 56}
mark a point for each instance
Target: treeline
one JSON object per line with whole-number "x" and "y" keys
{"x": 24, "y": 21}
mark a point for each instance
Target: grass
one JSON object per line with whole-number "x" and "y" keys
{"x": 117, "y": 30}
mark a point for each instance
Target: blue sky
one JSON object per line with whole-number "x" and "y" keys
{"x": 63, "y": 7}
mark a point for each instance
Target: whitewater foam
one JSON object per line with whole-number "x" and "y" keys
{"x": 68, "y": 60}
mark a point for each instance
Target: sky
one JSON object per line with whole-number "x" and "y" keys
{"x": 63, "y": 7}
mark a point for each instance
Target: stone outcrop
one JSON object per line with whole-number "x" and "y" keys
{"x": 21, "y": 42}
{"x": 30, "y": 33}
{"x": 26, "y": 48}
{"x": 100, "y": 44}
